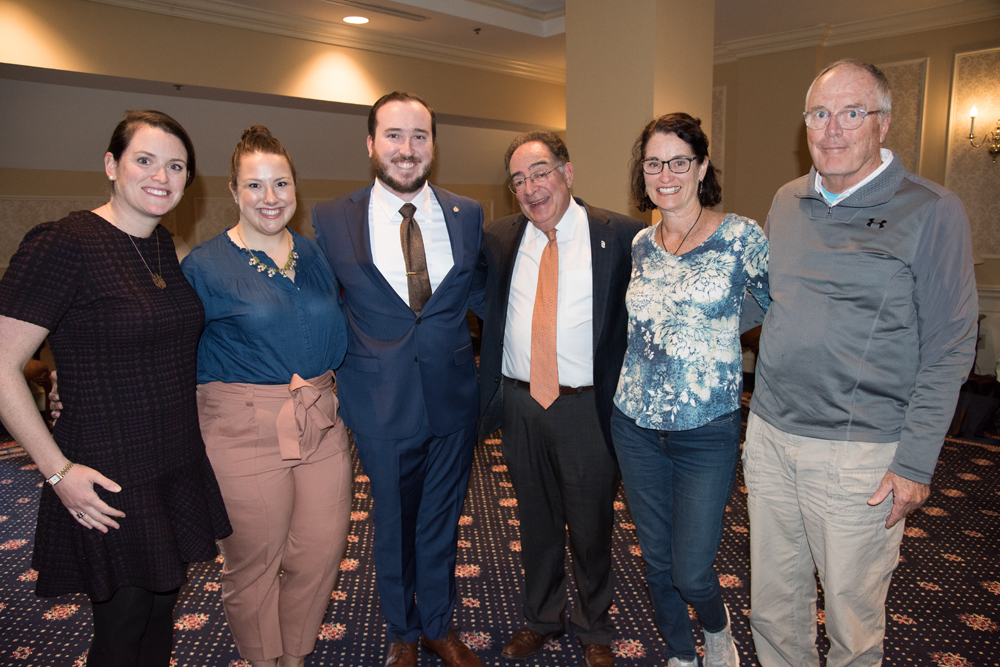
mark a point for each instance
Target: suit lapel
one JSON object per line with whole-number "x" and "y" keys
{"x": 453, "y": 222}
{"x": 507, "y": 254}
{"x": 356, "y": 219}
{"x": 601, "y": 252}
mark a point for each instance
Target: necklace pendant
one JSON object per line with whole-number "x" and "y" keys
{"x": 159, "y": 281}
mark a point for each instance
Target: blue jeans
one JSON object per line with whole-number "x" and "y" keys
{"x": 678, "y": 484}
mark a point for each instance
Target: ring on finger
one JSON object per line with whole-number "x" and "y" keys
{"x": 80, "y": 515}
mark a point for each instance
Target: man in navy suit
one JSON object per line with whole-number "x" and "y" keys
{"x": 559, "y": 455}
{"x": 407, "y": 387}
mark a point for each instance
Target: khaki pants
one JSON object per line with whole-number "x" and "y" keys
{"x": 288, "y": 514}
{"x": 807, "y": 500}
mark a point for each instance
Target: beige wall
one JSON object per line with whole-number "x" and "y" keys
{"x": 69, "y": 68}
{"x": 80, "y": 36}
{"x": 53, "y": 139}
{"x": 764, "y": 139}
{"x": 765, "y": 96}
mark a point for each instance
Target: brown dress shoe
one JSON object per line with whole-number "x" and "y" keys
{"x": 598, "y": 655}
{"x": 401, "y": 654}
{"x": 526, "y": 643}
{"x": 452, "y": 651}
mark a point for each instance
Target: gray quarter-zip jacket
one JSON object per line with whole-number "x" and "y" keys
{"x": 873, "y": 319}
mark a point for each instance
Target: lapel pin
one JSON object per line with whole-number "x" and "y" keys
{"x": 602, "y": 244}
{"x": 455, "y": 209}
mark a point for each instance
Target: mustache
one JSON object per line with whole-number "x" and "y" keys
{"x": 406, "y": 158}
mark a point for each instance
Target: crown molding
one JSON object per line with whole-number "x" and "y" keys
{"x": 324, "y": 32}
{"x": 971, "y": 11}
{"x": 518, "y": 9}
{"x": 500, "y": 14}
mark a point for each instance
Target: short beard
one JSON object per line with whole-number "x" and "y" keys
{"x": 382, "y": 173}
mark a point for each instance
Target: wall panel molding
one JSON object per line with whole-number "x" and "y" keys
{"x": 970, "y": 172}
{"x": 909, "y": 86}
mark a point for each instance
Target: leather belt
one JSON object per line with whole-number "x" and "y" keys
{"x": 563, "y": 391}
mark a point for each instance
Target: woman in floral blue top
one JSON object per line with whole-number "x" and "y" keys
{"x": 676, "y": 422}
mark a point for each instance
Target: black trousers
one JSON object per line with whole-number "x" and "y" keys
{"x": 565, "y": 478}
{"x": 135, "y": 628}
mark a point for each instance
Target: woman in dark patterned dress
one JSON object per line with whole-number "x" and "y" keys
{"x": 130, "y": 497}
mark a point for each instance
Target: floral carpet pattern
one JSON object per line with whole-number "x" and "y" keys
{"x": 943, "y": 608}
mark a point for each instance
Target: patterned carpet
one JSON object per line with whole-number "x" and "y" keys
{"x": 944, "y": 604}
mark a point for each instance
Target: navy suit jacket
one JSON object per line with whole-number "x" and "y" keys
{"x": 611, "y": 237}
{"x": 400, "y": 365}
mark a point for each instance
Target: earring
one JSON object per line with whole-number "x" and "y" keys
{"x": 699, "y": 186}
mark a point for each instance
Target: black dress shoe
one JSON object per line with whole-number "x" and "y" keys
{"x": 526, "y": 643}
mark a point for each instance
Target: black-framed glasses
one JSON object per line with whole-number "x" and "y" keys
{"x": 848, "y": 119}
{"x": 678, "y": 165}
{"x": 538, "y": 178}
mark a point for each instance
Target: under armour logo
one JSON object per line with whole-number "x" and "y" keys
{"x": 880, "y": 223}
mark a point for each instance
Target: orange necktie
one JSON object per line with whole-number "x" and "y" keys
{"x": 544, "y": 363}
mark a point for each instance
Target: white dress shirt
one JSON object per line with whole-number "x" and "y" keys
{"x": 384, "y": 220}
{"x": 575, "y": 310}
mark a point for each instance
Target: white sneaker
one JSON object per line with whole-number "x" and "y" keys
{"x": 676, "y": 662}
{"x": 720, "y": 647}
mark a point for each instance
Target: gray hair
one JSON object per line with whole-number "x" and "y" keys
{"x": 883, "y": 91}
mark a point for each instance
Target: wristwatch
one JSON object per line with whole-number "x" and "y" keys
{"x": 56, "y": 478}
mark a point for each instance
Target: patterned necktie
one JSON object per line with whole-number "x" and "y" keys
{"x": 418, "y": 283}
{"x": 544, "y": 363}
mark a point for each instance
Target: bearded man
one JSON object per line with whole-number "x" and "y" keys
{"x": 405, "y": 253}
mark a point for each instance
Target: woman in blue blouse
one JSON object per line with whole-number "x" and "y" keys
{"x": 273, "y": 333}
{"x": 676, "y": 421}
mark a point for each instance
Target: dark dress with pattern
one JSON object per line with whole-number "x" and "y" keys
{"x": 126, "y": 353}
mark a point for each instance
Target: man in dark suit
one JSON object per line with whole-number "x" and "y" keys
{"x": 550, "y": 386}
{"x": 407, "y": 387}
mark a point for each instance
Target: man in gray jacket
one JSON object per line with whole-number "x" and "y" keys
{"x": 870, "y": 334}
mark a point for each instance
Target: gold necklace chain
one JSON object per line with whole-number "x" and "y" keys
{"x": 157, "y": 277}
{"x": 261, "y": 267}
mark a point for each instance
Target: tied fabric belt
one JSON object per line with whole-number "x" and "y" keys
{"x": 299, "y": 420}
{"x": 563, "y": 391}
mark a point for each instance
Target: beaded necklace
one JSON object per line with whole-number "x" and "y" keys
{"x": 261, "y": 267}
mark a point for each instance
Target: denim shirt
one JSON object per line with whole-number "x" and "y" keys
{"x": 684, "y": 366}
{"x": 260, "y": 329}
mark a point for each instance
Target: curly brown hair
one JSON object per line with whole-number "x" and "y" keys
{"x": 688, "y": 129}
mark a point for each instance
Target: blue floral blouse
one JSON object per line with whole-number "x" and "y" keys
{"x": 684, "y": 365}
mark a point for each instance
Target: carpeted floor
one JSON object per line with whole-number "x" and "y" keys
{"x": 943, "y": 608}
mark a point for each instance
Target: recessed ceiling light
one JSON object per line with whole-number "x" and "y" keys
{"x": 356, "y": 20}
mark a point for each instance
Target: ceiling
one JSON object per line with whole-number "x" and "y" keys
{"x": 527, "y": 37}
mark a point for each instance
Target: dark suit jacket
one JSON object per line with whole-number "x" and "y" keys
{"x": 399, "y": 365}
{"x": 611, "y": 249}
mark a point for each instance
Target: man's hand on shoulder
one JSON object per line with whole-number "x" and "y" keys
{"x": 907, "y": 496}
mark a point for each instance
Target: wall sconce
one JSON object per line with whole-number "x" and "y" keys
{"x": 992, "y": 139}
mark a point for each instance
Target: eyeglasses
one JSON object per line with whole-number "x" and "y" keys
{"x": 848, "y": 119}
{"x": 538, "y": 178}
{"x": 678, "y": 165}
